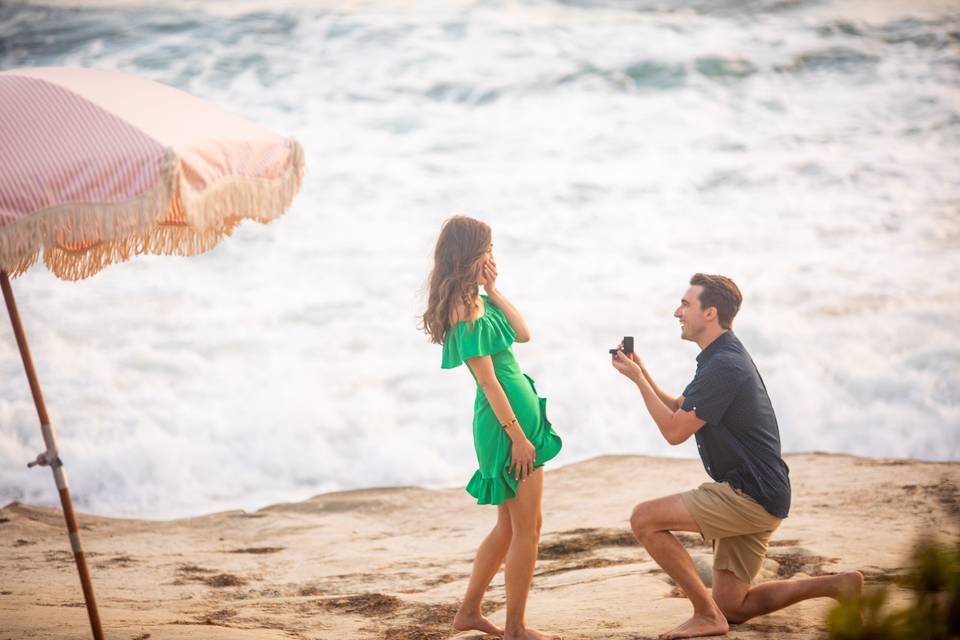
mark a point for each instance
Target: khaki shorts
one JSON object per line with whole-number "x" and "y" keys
{"x": 737, "y": 524}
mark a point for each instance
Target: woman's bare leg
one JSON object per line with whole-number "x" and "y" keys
{"x": 525, "y": 517}
{"x": 489, "y": 558}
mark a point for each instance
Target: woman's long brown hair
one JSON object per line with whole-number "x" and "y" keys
{"x": 457, "y": 265}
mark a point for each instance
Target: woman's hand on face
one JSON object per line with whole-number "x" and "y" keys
{"x": 522, "y": 457}
{"x": 490, "y": 276}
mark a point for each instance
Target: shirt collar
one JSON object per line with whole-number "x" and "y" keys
{"x": 717, "y": 345}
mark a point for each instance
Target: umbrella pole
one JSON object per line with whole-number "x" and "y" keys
{"x": 51, "y": 459}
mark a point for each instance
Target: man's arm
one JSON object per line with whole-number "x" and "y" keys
{"x": 672, "y": 403}
{"x": 675, "y": 425}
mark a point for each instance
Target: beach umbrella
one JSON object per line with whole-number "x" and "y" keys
{"x": 99, "y": 166}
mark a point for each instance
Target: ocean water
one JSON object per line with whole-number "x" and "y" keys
{"x": 807, "y": 149}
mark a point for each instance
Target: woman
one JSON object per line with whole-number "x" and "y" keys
{"x": 511, "y": 433}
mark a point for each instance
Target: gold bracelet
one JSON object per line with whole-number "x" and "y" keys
{"x": 506, "y": 425}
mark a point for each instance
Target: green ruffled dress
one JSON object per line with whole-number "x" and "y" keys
{"x": 491, "y": 335}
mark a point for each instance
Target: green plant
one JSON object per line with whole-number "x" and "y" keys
{"x": 933, "y": 613}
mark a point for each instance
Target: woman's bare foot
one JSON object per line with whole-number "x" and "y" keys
{"x": 698, "y": 626}
{"x": 849, "y": 585}
{"x": 529, "y": 634}
{"x": 475, "y": 621}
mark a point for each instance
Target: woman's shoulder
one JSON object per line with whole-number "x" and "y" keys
{"x": 462, "y": 313}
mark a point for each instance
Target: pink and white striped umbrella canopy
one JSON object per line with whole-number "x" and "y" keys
{"x": 98, "y": 166}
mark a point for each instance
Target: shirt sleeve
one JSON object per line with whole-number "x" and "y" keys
{"x": 712, "y": 391}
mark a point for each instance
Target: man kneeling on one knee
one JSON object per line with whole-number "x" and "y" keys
{"x": 727, "y": 409}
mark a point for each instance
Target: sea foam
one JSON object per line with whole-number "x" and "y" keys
{"x": 616, "y": 148}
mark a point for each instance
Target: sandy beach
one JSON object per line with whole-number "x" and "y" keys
{"x": 392, "y": 563}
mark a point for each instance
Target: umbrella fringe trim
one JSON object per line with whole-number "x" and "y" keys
{"x": 163, "y": 240}
{"x": 22, "y": 242}
{"x": 268, "y": 197}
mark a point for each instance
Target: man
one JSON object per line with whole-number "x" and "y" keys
{"x": 727, "y": 408}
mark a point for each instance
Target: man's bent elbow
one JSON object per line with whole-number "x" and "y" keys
{"x": 676, "y": 438}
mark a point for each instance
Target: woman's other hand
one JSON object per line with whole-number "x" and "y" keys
{"x": 522, "y": 457}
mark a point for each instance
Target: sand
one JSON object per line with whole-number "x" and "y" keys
{"x": 392, "y": 563}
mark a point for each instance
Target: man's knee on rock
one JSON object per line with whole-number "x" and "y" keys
{"x": 732, "y": 610}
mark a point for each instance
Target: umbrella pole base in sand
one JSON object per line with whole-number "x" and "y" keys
{"x": 52, "y": 459}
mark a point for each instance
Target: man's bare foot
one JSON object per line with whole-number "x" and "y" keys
{"x": 698, "y": 626}
{"x": 475, "y": 621}
{"x": 849, "y": 585}
{"x": 529, "y": 634}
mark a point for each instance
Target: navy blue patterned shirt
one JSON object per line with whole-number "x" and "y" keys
{"x": 740, "y": 442}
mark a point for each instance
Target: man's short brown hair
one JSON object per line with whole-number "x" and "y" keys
{"x": 719, "y": 292}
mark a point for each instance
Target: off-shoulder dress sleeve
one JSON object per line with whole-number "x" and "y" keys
{"x": 489, "y": 334}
